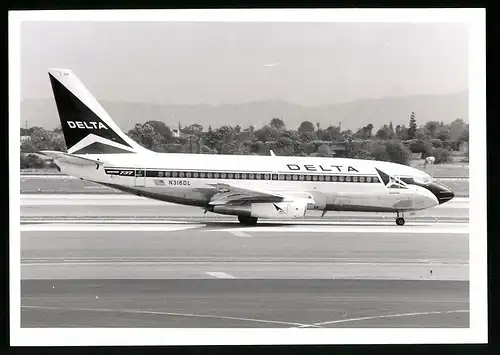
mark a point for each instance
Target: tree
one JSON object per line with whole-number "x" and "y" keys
{"x": 307, "y": 137}
{"x": 31, "y": 161}
{"x": 398, "y": 152}
{"x": 324, "y": 150}
{"x": 146, "y": 136}
{"x": 162, "y": 129}
{"x": 384, "y": 133}
{"x": 392, "y": 151}
{"x": 464, "y": 137}
{"x": 369, "y": 129}
{"x": 364, "y": 132}
{"x": 442, "y": 156}
{"x": 267, "y": 133}
{"x": 277, "y": 123}
{"x": 443, "y": 134}
{"x": 285, "y": 146}
{"x": 391, "y": 128}
{"x": 196, "y": 127}
{"x": 331, "y": 133}
{"x": 412, "y": 130}
{"x": 430, "y": 128}
{"x": 40, "y": 139}
{"x": 422, "y": 147}
{"x": 306, "y": 127}
{"x": 457, "y": 128}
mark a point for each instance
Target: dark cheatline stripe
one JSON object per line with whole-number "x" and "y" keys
{"x": 101, "y": 148}
{"x": 220, "y": 175}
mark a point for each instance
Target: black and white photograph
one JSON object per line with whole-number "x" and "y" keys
{"x": 247, "y": 177}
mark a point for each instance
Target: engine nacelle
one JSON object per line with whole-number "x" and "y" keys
{"x": 279, "y": 210}
{"x": 288, "y": 210}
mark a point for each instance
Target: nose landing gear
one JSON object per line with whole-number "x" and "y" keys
{"x": 400, "y": 219}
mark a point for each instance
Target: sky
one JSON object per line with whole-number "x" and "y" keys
{"x": 225, "y": 63}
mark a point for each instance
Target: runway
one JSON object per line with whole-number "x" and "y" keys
{"x": 137, "y": 262}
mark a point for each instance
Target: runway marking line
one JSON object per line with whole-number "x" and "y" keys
{"x": 382, "y": 316}
{"x": 105, "y": 227}
{"x": 169, "y": 314}
{"x": 338, "y": 228}
{"x": 240, "y": 233}
{"x": 220, "y": 275}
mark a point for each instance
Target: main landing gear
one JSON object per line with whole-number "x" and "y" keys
{"x": 248, "y": 221}
{"x": 400, "y": 220}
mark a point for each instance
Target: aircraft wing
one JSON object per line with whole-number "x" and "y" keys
{"x": 231, "y": 194}
{"x": 70, "y": 158}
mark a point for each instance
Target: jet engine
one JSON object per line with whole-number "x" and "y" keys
{"x": 291, "y": 210}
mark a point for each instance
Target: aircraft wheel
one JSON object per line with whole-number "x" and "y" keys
{"x": 248, "y": 221}
{"x": 400, "y": 221}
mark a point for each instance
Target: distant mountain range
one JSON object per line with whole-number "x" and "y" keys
{"x": 353, "y": 115}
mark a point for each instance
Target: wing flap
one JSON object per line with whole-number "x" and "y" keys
{"x": 229, "y": 194}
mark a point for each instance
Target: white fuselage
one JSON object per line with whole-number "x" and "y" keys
{"x": 191, "y": 179}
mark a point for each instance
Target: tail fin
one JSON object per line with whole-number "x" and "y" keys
{"x": 86, "y": 126}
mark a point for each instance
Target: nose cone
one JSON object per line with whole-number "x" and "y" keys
{"x": 442, "y": 193}
{"x": 445, "y": 196}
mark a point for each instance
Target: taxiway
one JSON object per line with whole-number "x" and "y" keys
{"x": 136, "y": 262}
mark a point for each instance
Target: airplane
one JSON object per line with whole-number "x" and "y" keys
{"x": 246, "y": 186}
{"x": 272, "y": 65}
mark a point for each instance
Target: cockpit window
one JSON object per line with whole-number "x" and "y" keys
{"x": 407, "y": 180}
{"x": 422, "y": 179}
{"x": 417, "y": 179}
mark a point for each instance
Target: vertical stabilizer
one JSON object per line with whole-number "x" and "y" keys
{"x": 87, "y": 127}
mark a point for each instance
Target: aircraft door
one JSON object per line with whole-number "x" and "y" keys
{"x": 140, "y": 177}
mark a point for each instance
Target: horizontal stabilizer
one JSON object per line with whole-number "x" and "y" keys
{"x": 70, "y": 158}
